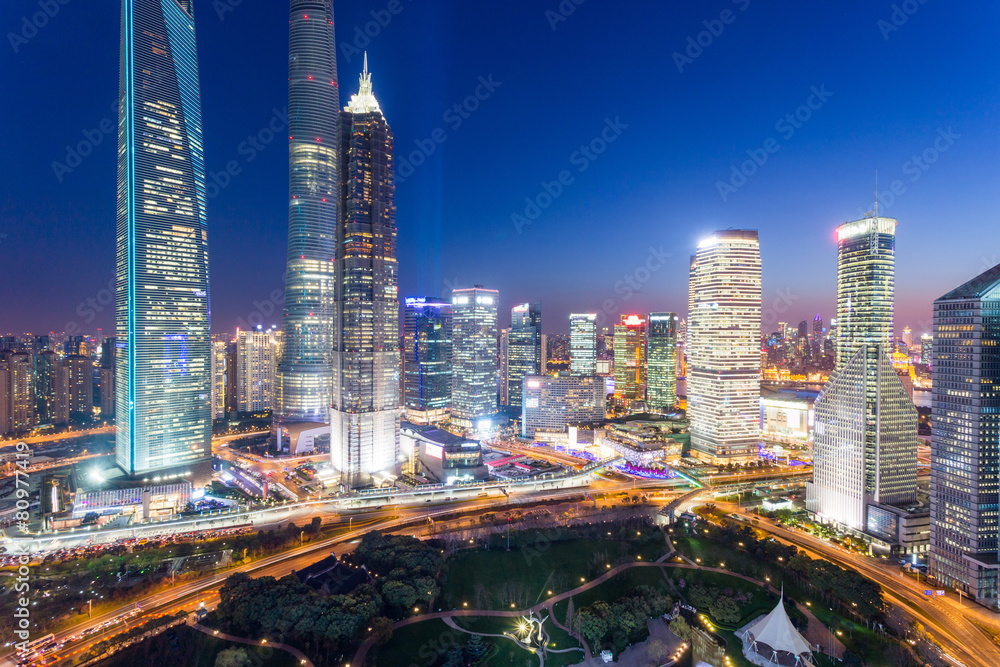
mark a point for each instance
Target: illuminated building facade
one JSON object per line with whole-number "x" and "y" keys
{"x": 583, "y": 343}
{"x": 524, "y": 349}
{"x": 46, "y": 366}
{"x": 364, "y": 417}
{"x": 163, "y": 387}
{"x": 661, "y": 361}
{"x": 474, "y": 355}
{"x": 219, "y": 380}
{"x": 630, "y": 360}
{"x": 427, "y": 359}
{"x": 965, "y": 487}
{"x": 81, "y": 385}
{"x": 553, "y": 403}
{"x": 17, "y": 392}
{"x": 865, "y": 436}
{"x": 305, "y": 373}
{"x": 723, "y": 378}
{"x": 256, "y": 360}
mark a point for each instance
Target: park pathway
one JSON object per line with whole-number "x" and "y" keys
{"x": 303, "y": 660}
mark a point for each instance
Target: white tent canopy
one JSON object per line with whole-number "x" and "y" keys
{"x": 776, "y": 630}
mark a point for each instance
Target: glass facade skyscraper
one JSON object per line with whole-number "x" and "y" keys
{"x": 865, "y": 437}
{"x": 661, "y": 361}
{"x": 630, "y": 360}
{"x": 723, "y": 377}
{"x": 164, "y": 416}
{"x": 553, "y": 403}
{"x": 474, "y": 355}
{"x": 524, "y": 349}
{"x": 583, "y": 343}
{"x": 304, "y": 384}
{"x": 426, "y": 359}
{"x": 364, "y": 418}
{"x": 965, "y": 483}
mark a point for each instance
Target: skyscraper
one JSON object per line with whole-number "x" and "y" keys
{"x": 46, "y": 363}
{"x": 723, "y": 378}
{"x": 553, "y": 403}
{"x": 304, "y": 382}
{"x": 524, "y": 349}
{"x": 817, "y": 339}
{"x": 81, "y": 385}
{"x": 630, "y": 361}
{"x": 162, "y": 318}
{"x": 865, "y": 438}
{"x": 583, "y": 343}
{"x": 17, "y": 393}
{"x": 219, "y": 379}
{"x": 965, "y": 487}
{"x": 256, "y": 355}
{"x": 107, "y": 376}
{"x": 474, "y": 355}
{"x": 661, "y": 362}
{"x": 427, "y": 359}
{"x": 364, "y": 427}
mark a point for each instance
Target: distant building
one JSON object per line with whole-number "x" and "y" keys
{"x": 107, "y": 377}
{"x": 219, "y": 380}
{"x": 553, "y": 403}
{"x": 661, "y": 362}
{"x": 524, "y": 349}
{"x": 474, "y": 356}
{"x": 583, "y": 344}
{"x": 965, "y": 485}
{"x": 81, "y": 385}
{"x": 46, "y": 376}
{"x": 427, "y": 352}
{"x": 503, "y": 366}
{"x": 630, "y": 361}
{"x": 926, "y": 349}
{"x": 256, "y": 366}
{"x": 723, "y": 379}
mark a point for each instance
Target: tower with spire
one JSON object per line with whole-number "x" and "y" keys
{"x": 364, "y": 417}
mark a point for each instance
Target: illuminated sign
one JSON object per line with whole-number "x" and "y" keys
{"x": 460, "y": 300}
{"x": 411, "y": 300}
{"x": 534, "y": 384}
{"x": 433, "y": 450}
{"x": 523, "y": 308}
{"x": 867, "y": 226}
{"x": 633, "y": 321}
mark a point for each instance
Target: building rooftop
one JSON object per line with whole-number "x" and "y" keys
{"x": 976, "y": 288}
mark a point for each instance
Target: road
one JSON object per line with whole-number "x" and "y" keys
{"x": 949, "y": 623}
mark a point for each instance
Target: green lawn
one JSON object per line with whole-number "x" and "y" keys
{"x": 426, "y": 644}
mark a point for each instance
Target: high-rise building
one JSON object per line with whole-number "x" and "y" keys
{"x": 553, "y": 403}
{"x": 926, "y": 348}
{"x": 865, "y": 437}
{"x": 232, "y": 390}
{"x": 723, "y": 379}
{"x": 630, "y": 361}
{"x": 364, "y": 427}
{"x": 107, "y": 377}
{"x": 907, "y": 339}
{"x": 19, "y": 391}
{"x": 162, "y": 313}
{"x": 524, "y": 349}
{"x": 503, "y": 367}
{"x": 474, "y": 356}
{"x": 427, "y": 359}
{"x": 46, "y": 363}
{"x": 5, "y": 425}
{"x": 661, "y": 361}
{"x": 965, "y": 483}
{"x": 81, "y": 385}
{"x": 256, "y": 365}
{"x": 816, "y": 343}
{"x": 219, "y": 380}
{"x": 304, "y": 384}
{"x": 583, "y": 343}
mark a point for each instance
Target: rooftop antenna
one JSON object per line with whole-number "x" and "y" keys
{"x": 876, "y": 194}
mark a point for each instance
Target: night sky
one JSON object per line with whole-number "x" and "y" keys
{"x": 885, "y": 86}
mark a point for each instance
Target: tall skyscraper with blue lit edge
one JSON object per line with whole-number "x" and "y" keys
{"x": 304, "y": 383}
{"x": 163, "y": 342}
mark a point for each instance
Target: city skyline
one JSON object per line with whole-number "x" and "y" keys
{"x": 801, "y": 272}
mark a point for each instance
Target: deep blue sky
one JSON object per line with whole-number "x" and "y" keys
{"x": 656, "y": 185}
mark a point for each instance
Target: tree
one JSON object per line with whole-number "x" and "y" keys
{"x": 680, "y": 627}
{"x": 233, "y": 657}
{"x": 381, "y": 630}
{"x": 724, "y": 610}
{"x": 399, "y": 596}
{"x": 455, "y": 657}
{"x": 592, "y": 626}
{"x": 475, "y": 647}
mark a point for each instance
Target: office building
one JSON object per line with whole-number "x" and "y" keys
{"x": 583, "y": 343}
{"x": 18, "y": 393}
{"x": 551, "y": 404}
{"x": 965, "y": 487}
{"x": 723, "y": 378}
{"x": 865, "y": 436}
{"x": 256, "y": 367}
{"x": 162, "y": 315}
{"x": 926, "y": 348}
{"x": 440, "y": 456}
{"x": 630, "y": 361}
{"x": 661, "y": 362}
{"x": 427, "y": 359}
{"x": 816, "y": 344}
{"x": 219, "y": 380}
{"x": 524, "y": 349}
{"x": 107, "y": 377}
{"x": 304, "y": 383}
{"x": 45, "y": 377}
{"x": 81, "y": 385}
{"x": 474, "y": 356}
{"x": 503, "y": 367}
{"x": 364, "y": 417}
